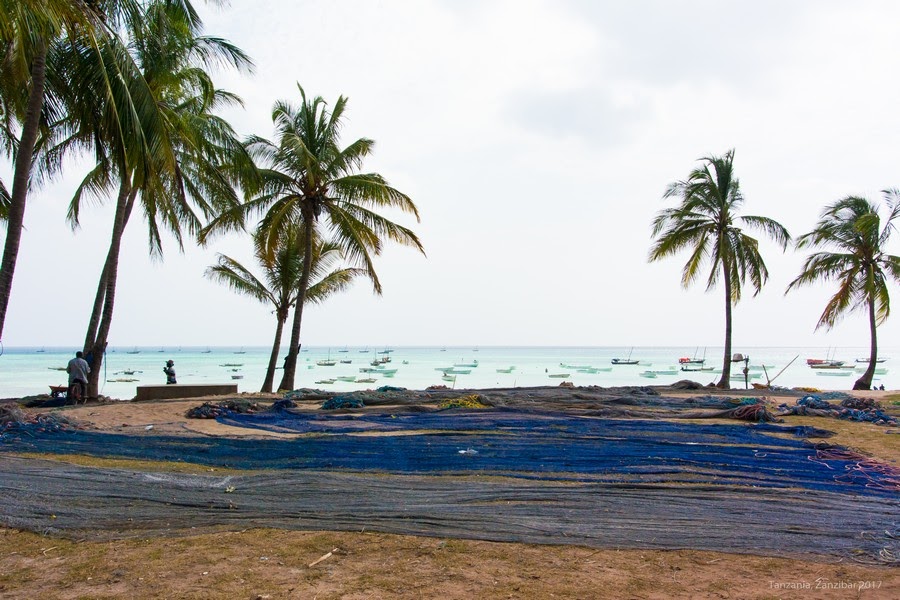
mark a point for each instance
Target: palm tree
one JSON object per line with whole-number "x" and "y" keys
{"x": 705, "y": 222}
{"x": 280, "y": 284}
{"x": 311, "y": 181}
{"x": 29, "y": 30}
{"x": 860, "y": 266}
{"x": 193, "y": 163}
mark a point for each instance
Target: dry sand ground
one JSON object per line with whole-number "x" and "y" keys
{"x": 277, "y": 564}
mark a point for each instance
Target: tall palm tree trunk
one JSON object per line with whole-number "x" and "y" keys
{"x": 97, "y": 311}
{"x": 21, "y": 176}
{"x": 273, "y": 358}
{"x": 290, "y": 361}
{"x": 725, "y": 381}
{"x": 865, "y": 381}
{"x": 97, "y": 346}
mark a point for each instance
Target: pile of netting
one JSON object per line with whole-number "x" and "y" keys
{"x": 209, "y": 410}
{"x": 470, "y": 401}
{"x": 342, "y": 402}
{"x": 14, "y": 420}
{"x": 854, "y": 409}
{"x": 859, "y": 468}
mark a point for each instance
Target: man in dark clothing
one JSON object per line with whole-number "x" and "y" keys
{"x": 169, "y": 370}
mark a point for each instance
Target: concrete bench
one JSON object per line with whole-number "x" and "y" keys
{"x": 184, "y": 390}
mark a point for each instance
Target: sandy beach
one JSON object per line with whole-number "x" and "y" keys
{"x": 241, "y": 560}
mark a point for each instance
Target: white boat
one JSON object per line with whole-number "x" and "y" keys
{"x": 325, "y": 381}
{"x": 625, "y": 361}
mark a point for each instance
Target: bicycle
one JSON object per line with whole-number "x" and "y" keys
{"x": 76, "y": 392}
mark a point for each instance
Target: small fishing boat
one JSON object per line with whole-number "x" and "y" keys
{"x": 506, "y": 370}
{"x": 625, "y": 361}
{"x": 237, "y": 376}
{"x": 595, "y": 370}
{"x": 207, "y": 351}
{"x": 346, "y": 362}
{"x": 700, "y": 368}
{"x": 687, "y": 360}
{"x": 455, "y": 371}
{"x": 350, "y": 378}
{"x": 366, "y": 380}
{"x": 835, "y": 373}
{"x": 472, "y": 364}
{"x": 135, "y": 351}
{"x": 865, "y": 360}
{"x": 232, "y": 365}
{"x": 326, "y": 363}
{"x": 828, "y": 364}
{"x": 559, "y": 375}
{"x": 325, "y": 381}
{"x": 241, "y": 351}
{"x": 446, "y": 377}
{"x": 647, "y": 374}
{"x": 344, "y": 350}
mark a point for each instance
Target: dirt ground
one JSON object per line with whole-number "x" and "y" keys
{"x": 280, "y": 564}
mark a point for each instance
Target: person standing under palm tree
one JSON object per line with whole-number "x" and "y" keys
{"x": 706, "y": 222}
{"x": 861, "y": 266}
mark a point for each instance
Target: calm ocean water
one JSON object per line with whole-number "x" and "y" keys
{"x": 28, "y": 371}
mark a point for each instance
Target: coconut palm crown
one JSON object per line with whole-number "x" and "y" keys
{"x": 707, "y": 223}
{"x": 860, "y": 266}
{"x": 279, "y": 285}
{"x": 310, "y": 180}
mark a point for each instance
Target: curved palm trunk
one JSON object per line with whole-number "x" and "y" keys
{"x": 97, "y": 346}
{"x": 24, "y": 159}
{"x": 725, "y": 381}
{"x": 865, "y": 381}
{"x": 97, "y": 311}
{"x": 290, "y": 361}
{"x": 273, "y": 358}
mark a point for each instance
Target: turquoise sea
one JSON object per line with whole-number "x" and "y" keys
{"x": 29, "y": 371}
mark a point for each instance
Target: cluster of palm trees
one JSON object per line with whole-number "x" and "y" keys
{"x": 130, "y": 83}
{"x": 851, "y": 238}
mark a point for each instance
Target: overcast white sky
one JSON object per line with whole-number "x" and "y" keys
{"x": 536, "y": 138}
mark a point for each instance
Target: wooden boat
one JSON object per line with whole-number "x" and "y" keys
{"x": 835, "y": 373}
{"x": 446, "y": 377}
{"x": 325, "y": 381}
{"x": 346, "y": 362}
{"x": 350, "y": 378}
{"x": 506, "y": 370}
{"x": 687, "y": 360}
{"x": 828, "y": 364}
{"x": 700, "y": 368}
{"x": 647, "y": 374}
{"x": 865, "y": 360}
{"x": 325, "y": 363}
{"x": 472, "y": 364}
{"x": 455, "y": 371}
{"x": 237, "y": 376}
{"x": 559, "y": 375}
{"x": 366, "y": 380}
{"x": 624, "y": 361}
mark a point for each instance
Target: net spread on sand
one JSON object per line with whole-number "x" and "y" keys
{"x": 508, "y": 473}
